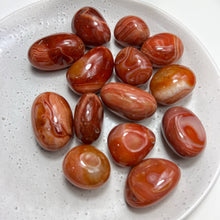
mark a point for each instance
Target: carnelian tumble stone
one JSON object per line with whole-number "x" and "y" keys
{"x": 90, "y": 25}
{"x": 52, "y": 121}
{"x": 92, "y": 71}
{"x": 150, "y": 181}
{"x": 131, "y": 31}
{"x": 129, "y": 143}
{"x": 172, "y": 83}
{"x": 132, "y": 66}
{"x": 88, "y": 118}
{"x": 86, "y": 167}
{"x": 183, "y": 131}
{"x": 163, "y": 49}
{"x": 128, "y": 101}
{"x": 56, "y": 51}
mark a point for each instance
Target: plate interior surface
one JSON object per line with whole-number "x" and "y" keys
{"x": 32, "y": 183}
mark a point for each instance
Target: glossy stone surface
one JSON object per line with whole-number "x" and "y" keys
{"x": 172, "y": 83}
{"x": 52, "y": 121}
{"x": 150, "y": 181}
{"x": 163, "y": 49}
{"x": 86, "y": 167}
{"x": 91, "y": 71}
{"x": 132, "y": 66}
{"x": 131, "y": 31}
{"x": 183, "y": 131}
{"x": 56, "y": 51}
{"x": 88, "y": 118}
{"x": 91, "y": 27}
{"x": 128, "y": 101}
{"x": 129, "y": 143}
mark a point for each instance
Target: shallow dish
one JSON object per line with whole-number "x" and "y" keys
{"x": 31, "y": 180}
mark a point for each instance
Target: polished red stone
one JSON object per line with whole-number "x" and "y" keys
{"x": 163, "y": 49}
{"x": 91, "y": 71}
{"x": 128, "y": 101}
{"x": 183, "y": 131}
{"x": 91, "y": 27}
{"x": 88, "y": 118}
{"x": 129, "y": 143}
{"x": 172, "y": 83}
{"x": 56, "y": 51}
{"x": 52, "y": 121}
{"x": 132, "y": 66}
{"x": 150, "y": 181}
{"x": 131, "y": 31}
{"x": 86, "y": 167}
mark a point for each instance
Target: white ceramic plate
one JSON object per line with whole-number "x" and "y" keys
{"x": 32, "y": 184}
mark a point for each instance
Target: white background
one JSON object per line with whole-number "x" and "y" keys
{"x": 202, "y": 17}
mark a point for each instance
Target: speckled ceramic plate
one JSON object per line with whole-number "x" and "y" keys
{"x": 32, "y": 184}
